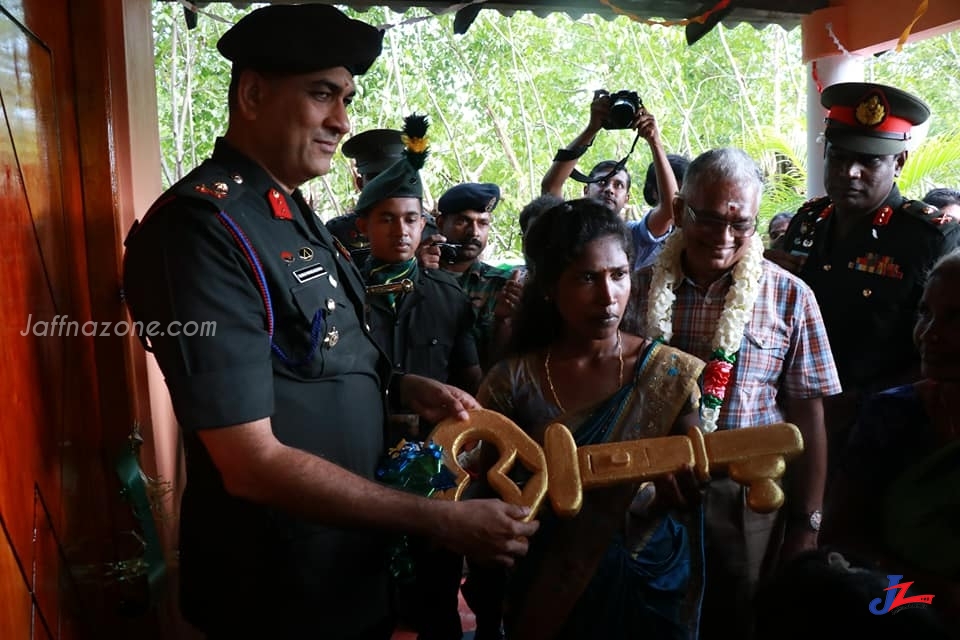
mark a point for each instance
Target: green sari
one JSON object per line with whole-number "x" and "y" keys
{"x": 606, "y": 573}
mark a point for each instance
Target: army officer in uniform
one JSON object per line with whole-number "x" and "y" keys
{"x": 373, "y": 152}
{"x": 423, "y": 320}
{"x": 282, "y": 409}
{"x": 863, "y": 248}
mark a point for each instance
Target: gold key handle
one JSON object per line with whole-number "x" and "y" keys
{"x": 754, "y": 457}
{"x": 511, "y": 442}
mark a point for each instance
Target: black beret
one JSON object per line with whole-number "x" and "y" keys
{"x": 875, "y": 119}
{"x": 374, "y": 150}
{"x": 473, "y": 196}
{"x": 300, "y": 38}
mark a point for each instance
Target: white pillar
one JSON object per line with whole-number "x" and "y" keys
{"x": 839, "y": 68}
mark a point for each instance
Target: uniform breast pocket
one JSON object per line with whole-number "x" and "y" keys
{"x": 430, "y": 355}
{"x": 313, "y": 325}
{"x": 316, "y": 297}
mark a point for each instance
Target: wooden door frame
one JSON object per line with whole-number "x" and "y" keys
{"x": 116, "y": 110}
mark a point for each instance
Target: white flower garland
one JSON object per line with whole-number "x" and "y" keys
{"x": 737, "y": 309}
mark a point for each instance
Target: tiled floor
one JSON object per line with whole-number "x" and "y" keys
{"x": 467, "y": 619}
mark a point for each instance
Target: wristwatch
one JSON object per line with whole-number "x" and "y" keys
{"x": 811, "y": 520}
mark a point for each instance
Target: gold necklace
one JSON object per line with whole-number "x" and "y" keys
{"x": 553, "y": 391}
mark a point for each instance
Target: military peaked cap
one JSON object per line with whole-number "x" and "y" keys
{"x": 871, "y": 118}
{"x": 472, "y": 196}
{"x": 374, "y": 150}
{"x": 300, "y": 38}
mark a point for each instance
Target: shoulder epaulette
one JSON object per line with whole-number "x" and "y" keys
{"x": 814, "y": 204}
{"x": 929, "y": 214}
{"x": 209, "y": 183}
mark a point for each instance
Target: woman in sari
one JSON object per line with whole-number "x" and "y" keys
{"x": 896, "y": 500}
{"x": 624, "y": 567}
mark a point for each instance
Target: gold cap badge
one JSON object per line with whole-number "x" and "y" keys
{"x": 871, "y": 111}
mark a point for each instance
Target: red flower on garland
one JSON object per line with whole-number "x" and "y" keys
{"x": 716, "y": 377}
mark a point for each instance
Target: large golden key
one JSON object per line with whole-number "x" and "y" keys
{"x": 753, "y": 457}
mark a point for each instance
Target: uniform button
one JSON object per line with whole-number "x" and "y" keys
{"x": 827, "y": 267}
{"x": 366, "y": 326}
{"x": 434, "y": 341}
{"x": 867, "y": 293}
{"x": 237, "y": 178}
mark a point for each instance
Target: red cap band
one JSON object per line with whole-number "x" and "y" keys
{"x": 848, "y": 116}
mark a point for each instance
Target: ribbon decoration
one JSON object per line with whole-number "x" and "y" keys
{"x": 143, "y": 494}
{"x": 836, "y": 40}
{"x": 416, "y": 467}
{"x": 921, "y": 9}
{"x": 816, "y": 77}
{"x": 722, "y": 4}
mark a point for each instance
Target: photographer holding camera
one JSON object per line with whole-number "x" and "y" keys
{"x": 609, "y": 181}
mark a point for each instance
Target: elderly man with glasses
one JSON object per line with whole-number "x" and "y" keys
{"x": 712, "y": 294}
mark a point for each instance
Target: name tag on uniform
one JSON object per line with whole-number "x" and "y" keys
{"x": 312, "y": 272}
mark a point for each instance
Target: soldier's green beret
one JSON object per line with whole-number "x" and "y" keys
{"x": 300, "y": 38}
{"x": 402, "y": 178}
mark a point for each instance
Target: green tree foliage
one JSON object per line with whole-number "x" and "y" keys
{"x": 503, "y": 97}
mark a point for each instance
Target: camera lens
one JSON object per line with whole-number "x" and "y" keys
{"x": 622, "y": 113}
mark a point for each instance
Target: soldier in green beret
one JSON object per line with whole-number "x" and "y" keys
{"x": 373, "y": 152}
{"x": 283, "y": 530}
{"x": 423, "y": 320}
{"x": 863, "y": 248}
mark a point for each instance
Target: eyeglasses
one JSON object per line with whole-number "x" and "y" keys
{"x": 776, "y": 235}
{"x": 739, "y": 229}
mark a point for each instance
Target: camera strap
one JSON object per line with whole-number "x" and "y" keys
{"x": 620, "y": 166}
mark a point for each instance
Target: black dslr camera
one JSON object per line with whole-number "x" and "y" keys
{"x": 624, "y": 106}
